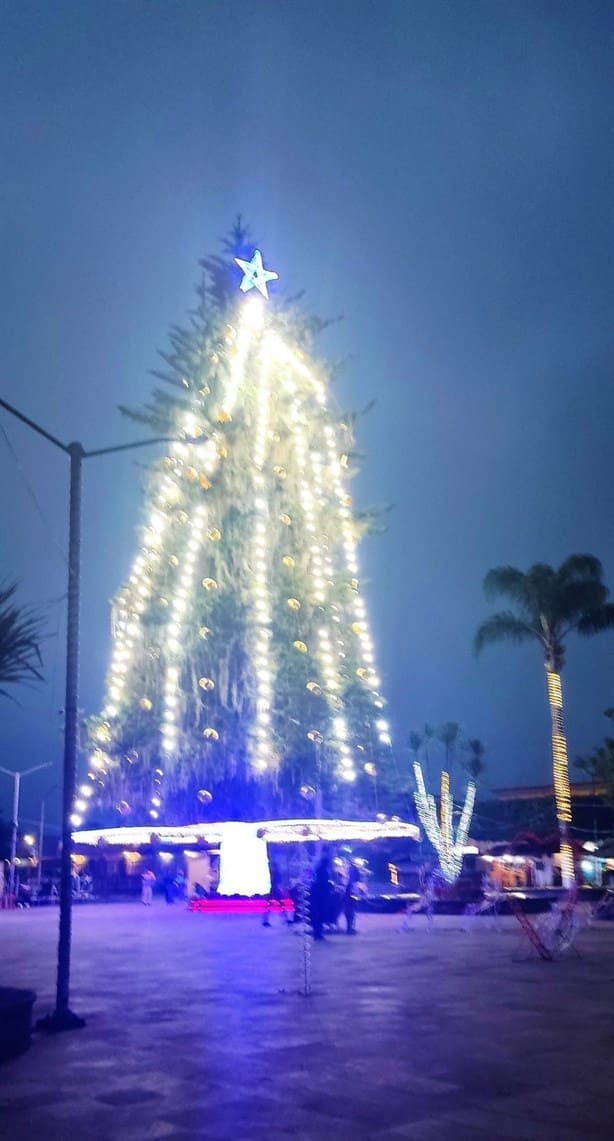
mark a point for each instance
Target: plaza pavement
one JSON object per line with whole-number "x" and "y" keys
{"x": 196, "y": 1030}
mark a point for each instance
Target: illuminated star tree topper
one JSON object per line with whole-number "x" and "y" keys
{"x": 255, "y": 276}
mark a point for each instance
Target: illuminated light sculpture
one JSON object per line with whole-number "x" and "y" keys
{"x": 449, "y": 848}
{"x": 244, "y": 597}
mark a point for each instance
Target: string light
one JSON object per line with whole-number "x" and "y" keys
{"x": 274, "y": 831}
{"x": 179, "y": 524}
{"x": 562, "y": 792}
{"x": 260, "y": 740}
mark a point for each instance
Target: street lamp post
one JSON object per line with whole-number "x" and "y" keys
{"x": 17, "y": 775}
{"x": 62, "y": 1017}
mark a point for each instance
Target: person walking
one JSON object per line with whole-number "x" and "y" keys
{"x": 148, "y": 880}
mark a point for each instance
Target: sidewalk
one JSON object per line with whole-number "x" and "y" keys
{"x": 195, "y": 1029}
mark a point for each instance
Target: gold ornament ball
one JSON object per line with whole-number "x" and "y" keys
{"x": 314, "y": 688}
{"x": 163, "y": 601}
{"x": 209, "y": 584}
{"x": 206, "y": 683}
{"x": 214, "y": 534}
{"x": 358, "y": 628}
{"x": 211, "y": 734}
{"x": 288, "y": 561}
{"x": 362, "y": 673}
{"x": 173, "y": 560}
{"x": 224, "y": 417}
{"x": 182, "y": 516}
{"x": 370, "y": 769}
{"x": 204, "y": 631}
{"x": 146, "y": 704}
{"x": 293, "y": 603}
{"x": 191, "y": 474}
{"x": 205, "y": 482}
{"x": 300, "y": 646}
{"x": 221, "y": 450}
{"x": 285, "y": 519}
{"x": 280, "y": 471}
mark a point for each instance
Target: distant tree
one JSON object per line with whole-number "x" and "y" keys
{"x": 449, "y": 734}
{"x": 599, "y": 766}
{"x": 415, "y": 743}
{"x": 428, "y": 734}
{"x": 474, "y": 764}
{"x": 21, "y": 633}
{"x": 548, "y": 604}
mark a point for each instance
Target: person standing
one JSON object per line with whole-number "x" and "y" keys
{"x": 350, "y": 898}
{"x": 276, "y": 895}
{"x": 321, "y": 888}
{"x": 148, "y": 879}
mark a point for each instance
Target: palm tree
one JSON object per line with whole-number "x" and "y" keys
{"x": 474, "y": 764}
{"x": 20, "y": 637}
{"x": 448, "y": 735}
{"x": 548, "y": 605}
{"x": 428, "y": 733}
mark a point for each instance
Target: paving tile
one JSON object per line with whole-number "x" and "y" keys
{"x": 197, "y": 1032}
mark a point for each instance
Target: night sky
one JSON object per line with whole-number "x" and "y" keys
{"x": 439, "y": 174}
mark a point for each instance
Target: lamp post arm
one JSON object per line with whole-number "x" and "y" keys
{"x": 137, "y": 444}
{"x": 33, "y": 425}
{"x": 26, "y": 772}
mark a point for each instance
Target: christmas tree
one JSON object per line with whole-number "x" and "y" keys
{"x": 242, "y": 679}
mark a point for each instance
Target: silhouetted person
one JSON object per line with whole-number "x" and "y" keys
{"x": 276, "y": 895}
{"x": 320, "y": 894}
{"x": 350, "y": 899}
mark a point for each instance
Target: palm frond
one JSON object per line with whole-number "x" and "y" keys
{"x": 580, "y": 568}
{"x": 20, "y": 637}
{"x": 503, "y": 627}
{"x": 594, "y": 621}
{"x": 505, "y": 581}
{"x": 572, "y": 600}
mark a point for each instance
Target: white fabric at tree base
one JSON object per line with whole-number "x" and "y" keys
{"x": 244, "y": 862}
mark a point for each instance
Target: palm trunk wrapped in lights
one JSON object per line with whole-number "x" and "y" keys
{"x": 560, "y": 765}
{"x": 441, "y": 833}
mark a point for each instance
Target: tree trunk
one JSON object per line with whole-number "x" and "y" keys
{"x": 560, "y": 769}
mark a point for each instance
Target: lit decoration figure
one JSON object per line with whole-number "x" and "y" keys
{"x": 242, "y": 657}
{"x": 440, "y": 832}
